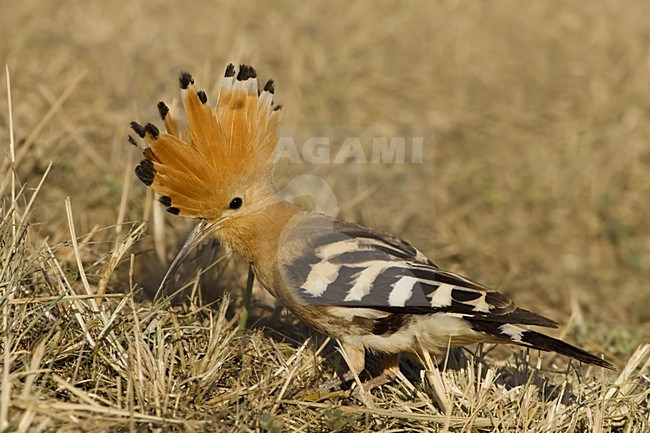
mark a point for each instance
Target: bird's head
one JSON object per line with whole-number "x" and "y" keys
{"x": 220, "y": 168}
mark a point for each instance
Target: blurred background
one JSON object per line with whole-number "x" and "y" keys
{"x": 535, "y": 177}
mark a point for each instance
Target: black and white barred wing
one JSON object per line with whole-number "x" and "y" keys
{"x": 376, "y": 280}
{"x": 352, "y": 266}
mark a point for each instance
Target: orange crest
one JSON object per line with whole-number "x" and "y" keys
{"x": 224, "y": 147}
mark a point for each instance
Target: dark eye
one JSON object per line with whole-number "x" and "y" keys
{"x": 236, "y": 203}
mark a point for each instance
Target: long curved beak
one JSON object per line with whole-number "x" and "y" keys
{"x": 202, "y": 231}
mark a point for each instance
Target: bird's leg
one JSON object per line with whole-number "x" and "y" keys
{"x": 391, "y": 369}
{"x": 355, "y": 358}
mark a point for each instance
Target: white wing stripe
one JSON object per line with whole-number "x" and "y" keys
{"x": 515, "y": 333}
{"x": 480, "y": 305}
{"x": 442, "y": 296}
{"x": 333, "y": 249}
{"x": 402, "y": 291}
{"x": 365, "y": 279}
{"x": 322, "y": 274}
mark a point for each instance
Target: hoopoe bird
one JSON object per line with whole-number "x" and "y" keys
{"x": 366, "y": 288}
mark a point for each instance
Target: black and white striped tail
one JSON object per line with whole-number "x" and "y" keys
{"x": 535, "y": 340}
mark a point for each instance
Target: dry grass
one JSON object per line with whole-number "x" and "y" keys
{"x": 536, "y": 181}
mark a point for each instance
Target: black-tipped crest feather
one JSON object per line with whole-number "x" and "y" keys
{"x": 269, "y": 87}
{"x": 230, "y": 70}
{"x": 152, "y": 130}
{"x": 138, "y": 129}
{"x": 145, "y": 172}
{"x": 185, "y": 79}
{"x": 165, "y": 201}
{"x": 202, "y": 96}
{"x": 246, "y": 72}
{"x": 163, "y": 110}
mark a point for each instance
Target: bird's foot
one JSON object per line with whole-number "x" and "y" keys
{"x": 338, "y": 387}
{"x": 332, "y": 388}
{"x": 361, "y": 393}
